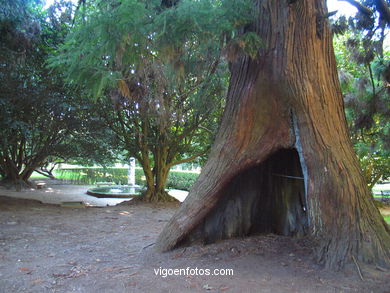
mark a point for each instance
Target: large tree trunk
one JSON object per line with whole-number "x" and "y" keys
{"x": 13, "y": 179}
{"x": 156, "y": 180}
{"x": 283, "y": 161}
{"x": 17, "y": 174}
{"x": 155, "y": 187}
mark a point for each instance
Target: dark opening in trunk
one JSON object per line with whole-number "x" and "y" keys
{"x": 267, "y": 198}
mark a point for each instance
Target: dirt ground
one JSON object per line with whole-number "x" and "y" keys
{"x": 48, "y": 248}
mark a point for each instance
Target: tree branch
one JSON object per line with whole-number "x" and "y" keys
{"x": 189, "y": 158}
{"x": 44, "y": 174}
{"x": 372, "y": 81}
{"x": 383, "y": 10}
{"x": 206, "y": 129}
{"x": 374, "y": 181}
{"x": 363, "y": 9}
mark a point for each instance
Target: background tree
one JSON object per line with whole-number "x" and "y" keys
{"x": 282, "y": 161}
{"x": 364, "y": 67}
{"x": 161, "y": 67}
{"x": 40, "y": 118}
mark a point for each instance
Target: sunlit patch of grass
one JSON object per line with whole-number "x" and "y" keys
{"x": 387, "y": 218}
{"x": 182, "y": 180}
{"x": 379, "y": 187}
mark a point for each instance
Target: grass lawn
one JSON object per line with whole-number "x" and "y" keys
{"x": 379, "y": 187}
{"x": 36, "y": 175}
{"x": 387, "y": 218}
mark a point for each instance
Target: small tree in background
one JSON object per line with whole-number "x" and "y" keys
{"x": 161, "y": 66}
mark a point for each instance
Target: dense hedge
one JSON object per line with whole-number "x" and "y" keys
{"x": 176, "y": 179}
{"x": 181, "y": 180}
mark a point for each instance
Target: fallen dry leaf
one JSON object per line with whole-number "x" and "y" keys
{"x": 37, "y": 281}
{"x": 24, "y": 269}
{"x": 177, "y": 255}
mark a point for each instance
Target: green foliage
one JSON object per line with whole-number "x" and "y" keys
{"x": 92, "y": 175}
{"x": 117, "y": 37}
{"x": 387, "y": 219}
{"x": 162, "y": 68}
{"x": 176, "y": 179}
{"x": 364, "y": 67}
{"x": 181, "y": 180}
{"x": 367, "y": 108}
{"x": 41, "y": 118}
{"x": 250, "y": 44}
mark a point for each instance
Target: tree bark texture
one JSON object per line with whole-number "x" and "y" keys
{"x": 16, "y": 180}
{"x": 15, "y": 175}
{"x": 156, "y": 177}
{"x": 282, "y": 107}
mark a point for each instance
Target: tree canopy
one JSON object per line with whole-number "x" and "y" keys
{"x": 163, "y": 69}
{"x": 41, "y": 118}
{"x": 166, "y": 64}
{"x": 364, "y": 67}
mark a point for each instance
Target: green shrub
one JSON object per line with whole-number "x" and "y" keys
{"x": 92, "y": 175}
{"x": 181, "y": 180}
{"x": 89, "y": 176}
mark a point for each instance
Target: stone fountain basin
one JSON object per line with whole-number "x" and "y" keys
{"x": 116, "y": 191}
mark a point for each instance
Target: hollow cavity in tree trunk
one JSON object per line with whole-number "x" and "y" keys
{"x": 266, "y": 198}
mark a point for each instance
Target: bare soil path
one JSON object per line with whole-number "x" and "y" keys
{"x": 48, "y": 248}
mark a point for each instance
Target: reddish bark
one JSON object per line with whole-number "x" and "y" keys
{"x": 288, "y": 98}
